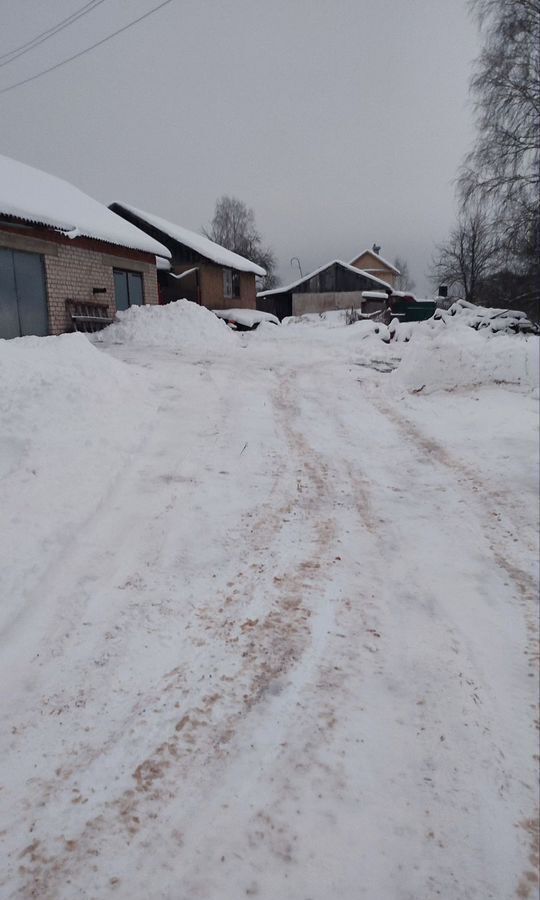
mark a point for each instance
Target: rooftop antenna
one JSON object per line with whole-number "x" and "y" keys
{"x": 295, "y": 259}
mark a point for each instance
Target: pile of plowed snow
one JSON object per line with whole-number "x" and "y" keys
{"x": 43, "y": 377}
{"x": 71, "y": 418}
{"x": 443, "y": 359}
{"x": 181, "y": 325}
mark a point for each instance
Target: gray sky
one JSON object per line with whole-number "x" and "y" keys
{"x": 341, "y": 122}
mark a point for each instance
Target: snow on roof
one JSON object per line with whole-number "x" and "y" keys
{"x": 163, "y": 264}
{"x": 42, "y": 199}
{"x": 385, "y": 262}
{"x": 247, "y": 317}
{"x": 339, "y": 262}
{"x": 197, "y": 242}
{"x": 184, "y": 274}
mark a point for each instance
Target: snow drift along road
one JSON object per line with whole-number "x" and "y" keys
{"x": 70, "y": 419}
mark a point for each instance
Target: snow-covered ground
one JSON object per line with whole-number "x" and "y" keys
{"x": 268, "y": 623}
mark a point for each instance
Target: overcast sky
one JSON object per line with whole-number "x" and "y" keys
{"x": 341, "y": 122}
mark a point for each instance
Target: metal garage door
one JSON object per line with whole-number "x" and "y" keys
{"x": 23, "y": 296}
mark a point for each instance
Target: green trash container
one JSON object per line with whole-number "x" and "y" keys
{"x": 408, "y": 309}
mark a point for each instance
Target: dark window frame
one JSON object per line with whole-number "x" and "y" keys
{"x": 231, "y": 284}
{"x": 126, "y": 273}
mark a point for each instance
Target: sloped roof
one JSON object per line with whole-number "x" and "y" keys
{"x": 36, "y": 197}
{"x": 338, "y": 262}
{"x": 202, "y": 245}
{"x": 385, "y": 262}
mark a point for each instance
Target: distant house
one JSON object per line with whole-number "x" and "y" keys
{"x": 65, "y": 259}
{"x": 370, "y": 261}
{"x": 336, "y": 285}
{"x": 200, "y": 270}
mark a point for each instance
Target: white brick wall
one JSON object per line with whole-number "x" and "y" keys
{"x": 72, "y": 270}
{"x": 75, "y": 271}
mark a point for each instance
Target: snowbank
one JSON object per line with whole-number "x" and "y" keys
{"x": 60, "y": 370}
{"x": 442, "y": 360}
{"x": 180, "y": 325}
{"x": 368, "y": 329}
{"x": 70, "y": 419}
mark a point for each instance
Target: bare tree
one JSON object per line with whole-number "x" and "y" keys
{"x": 471, "y": 253}
{"x": 233, "y": 226}
{"x": 404, "y": 281}
{"x": 503, "y": 168}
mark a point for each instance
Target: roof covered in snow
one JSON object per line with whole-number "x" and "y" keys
{"x": 376, "y": 256}
{"x": 197, "y": 242}
{"x": 42, "y": 199}
{"x": 335, "y": 262}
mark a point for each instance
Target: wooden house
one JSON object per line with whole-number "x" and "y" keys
{"x": 200, "y": 270}
{"x": 371, "y": 262}
{"x": 336, "y": 285}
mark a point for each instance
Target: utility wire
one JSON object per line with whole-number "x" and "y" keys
{"x": 44, "y": 36}
{"x": 64, "y": 62}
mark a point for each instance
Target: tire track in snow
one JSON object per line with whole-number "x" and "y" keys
{"x": 499, "y": 540}
{"x": 267, "y": 648}
{"x": 382, "y": 531}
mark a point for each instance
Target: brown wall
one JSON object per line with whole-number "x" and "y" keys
{"x": 74, "y": 267}
{"x": 185, "y": 289}
{"x": 323, "y": 302}
{"x": 374, "y": 266}
{"x": 211, "y": 281}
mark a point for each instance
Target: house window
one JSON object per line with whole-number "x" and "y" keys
{"x": 231, "y": 283}
{"x": 128, "y": 289}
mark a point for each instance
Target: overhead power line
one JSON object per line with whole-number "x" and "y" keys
{"x": 11, "y": 87}
{"x": 50, "y": 32}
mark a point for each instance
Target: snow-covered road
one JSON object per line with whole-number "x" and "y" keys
{"x": 291, "y": 650}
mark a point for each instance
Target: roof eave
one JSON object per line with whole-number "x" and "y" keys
{"x": 73, "y": 232}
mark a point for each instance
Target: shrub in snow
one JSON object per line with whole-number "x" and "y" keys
{"x": 180, "y": 325}
{"x": 352, "y": 315}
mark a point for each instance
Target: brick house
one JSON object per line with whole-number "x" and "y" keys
{"x": 59, "y": 248}
{"x": 371, "y": 262}
{"x": 200, "y": 270}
